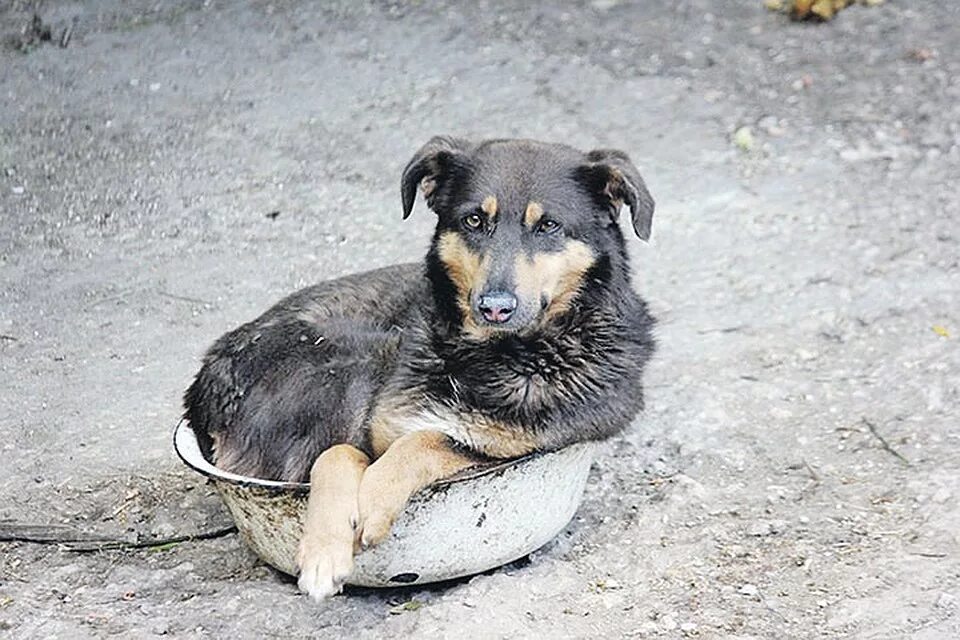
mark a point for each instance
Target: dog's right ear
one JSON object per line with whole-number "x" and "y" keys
{"x": 429, "y": 166}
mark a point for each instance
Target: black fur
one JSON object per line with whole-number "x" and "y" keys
{"x": 276, "y": 392}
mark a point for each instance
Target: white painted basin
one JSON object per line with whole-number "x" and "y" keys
{"x": 464, "y": 525}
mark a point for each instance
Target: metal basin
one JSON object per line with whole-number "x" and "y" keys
{"x": 460, "y": 526}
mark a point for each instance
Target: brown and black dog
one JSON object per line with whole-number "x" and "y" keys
{"x": 520, "y": 332}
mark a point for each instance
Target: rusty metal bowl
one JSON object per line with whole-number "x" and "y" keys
{"x": 460, "y": 526}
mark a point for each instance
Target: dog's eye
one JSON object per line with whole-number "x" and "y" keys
{"x": 548, "y": 226}
{"x": 472, "y": 221}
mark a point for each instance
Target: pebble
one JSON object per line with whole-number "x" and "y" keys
{"x": 688, "y": 628}
{"x": 18, "y": 190}
{"x": 748, "y": 590}
{"x": 946, "y": 601}
{"x": 668, "y": 623}
{"x": 766, "y": 528}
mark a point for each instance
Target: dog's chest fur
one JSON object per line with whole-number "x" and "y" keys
{"x": 507, "y": 397}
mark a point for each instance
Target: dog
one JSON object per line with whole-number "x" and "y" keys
{"x": 520, "y": 332}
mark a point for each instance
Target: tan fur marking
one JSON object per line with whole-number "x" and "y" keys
{"x": 389, "y": 421}
{"x": 558, "y": 276}
{"x": 533, "y": 214}
{"x": 399, "y": 416}
{"x": 325, "y": 553}
{"x": 489, "y": 206}
{"x": 467, "y": 271}
{"x": 498, "y": 440}
{"x": 412, "y": 462}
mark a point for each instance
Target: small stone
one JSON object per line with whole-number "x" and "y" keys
{"x": 942, "y": 495}
{"x": 154, "y": 87}
{"x": 748, "y": 590}
{"x": 18, "y": 190}
{"x": 688, "y": 628}
{"x": 771, "y": 125}
{"x": 822, "y": 604}
{"x": 946, "y": 601}
{"x": 668, "y": 623}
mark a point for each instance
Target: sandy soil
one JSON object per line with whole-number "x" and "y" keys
{"x": 796, "y": 474}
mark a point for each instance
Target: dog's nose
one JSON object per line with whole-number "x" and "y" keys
{"x": 497, "y": 306}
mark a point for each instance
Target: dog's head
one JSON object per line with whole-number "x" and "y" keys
{"x": 522, "y": 226}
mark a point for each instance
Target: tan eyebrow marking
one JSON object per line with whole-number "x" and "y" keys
{"x": 489, "y": 206}
{"x": 533, "y": 214}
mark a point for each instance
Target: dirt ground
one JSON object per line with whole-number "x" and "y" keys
{"x": 179, "y": 166}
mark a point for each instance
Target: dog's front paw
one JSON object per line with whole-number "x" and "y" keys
{"x": 380, "y": 504}
{"x": 375, "y": 527}
{"x": 325, "y": 564}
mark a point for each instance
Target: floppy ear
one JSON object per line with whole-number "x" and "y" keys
{"x": 429, "y": 167}
{"x": 612, "y": 177}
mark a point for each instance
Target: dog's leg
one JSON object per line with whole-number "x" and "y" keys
{"x": 325, "y": 557}
{"x": 412, "y": 462}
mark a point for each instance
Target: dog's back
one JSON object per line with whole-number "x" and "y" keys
{"x": 277, "y": 391}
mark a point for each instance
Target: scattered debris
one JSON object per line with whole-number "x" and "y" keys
{"x": 946, "y": 601}
{"x": 883, "y": 441}
{"x": 35, "y": 33}
{"x": 749, "y": 590}
{"x": 174, "y": 296}
{"x": 941, "y": 330}
{"x": 921, "y": 54}
{"x": 71, "y": 539}
{"x": 410, "y": 605}
{"x": 743, "y": 138}
{"x": 67, "y": 33}
{"x": 815, "y": 9}
{"x": 763, "y": 528}
{"x": 272, "y": 214}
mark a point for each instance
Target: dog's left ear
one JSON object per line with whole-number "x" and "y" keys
{"x": 430, "y": 166}
{"x": 611, "y": 176}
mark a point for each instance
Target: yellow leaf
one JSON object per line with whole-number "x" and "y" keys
{"x": 743, "y": 138}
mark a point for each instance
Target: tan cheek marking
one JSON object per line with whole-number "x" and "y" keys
{"x": 533, "y": 214}
{"x": 467, "y": 271}
{"x": 489, "y": 206}
{"x": 558, "y": 276}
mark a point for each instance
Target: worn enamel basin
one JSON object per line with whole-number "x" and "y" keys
{"x": 464, "y": 525}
